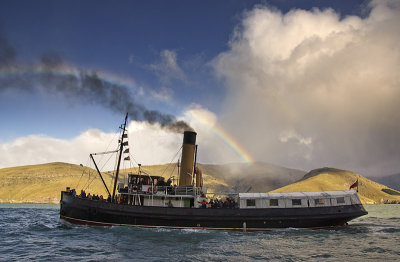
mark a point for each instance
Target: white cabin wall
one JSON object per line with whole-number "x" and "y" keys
{"x": 347, "y": 201}
{"x": 148, "y": 201}
{"x": 355, "y": 199}
{"x": 288, "y": 202}
{"x": 306, "y": 201}
{"x": 327, "y": 202}
{"x": 259, "y": 203}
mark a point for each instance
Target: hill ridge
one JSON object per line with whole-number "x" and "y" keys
{"x": 327, "y": 178}
{"x": 42, "y": 183}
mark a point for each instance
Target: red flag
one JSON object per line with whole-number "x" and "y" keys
{"x": 355, "y": 184}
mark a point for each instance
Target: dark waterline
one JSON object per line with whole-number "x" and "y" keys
{"x": 35, "y": 232}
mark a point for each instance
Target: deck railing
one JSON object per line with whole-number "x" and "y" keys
{"x": 165, "y": 190}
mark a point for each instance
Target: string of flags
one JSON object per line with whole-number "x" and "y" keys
{"x": 126, "y": 151}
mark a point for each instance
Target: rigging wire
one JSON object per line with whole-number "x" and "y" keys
{"x": 171, "y": 175}
{"x": 87, "y": 182}
{"x": 83, "y": 172}
{"x": 116, "y": 159}
{"x": 172, "y": 160}
{"x": 88, "y": 164}
{"x": 106, "y": 162}
{"x": 94, "y": 177}
{"x": 108, "y": 146}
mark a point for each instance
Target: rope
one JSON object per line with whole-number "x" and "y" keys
{"x": 83, "y": 172}
{"x": 90, "y": 182}
{"x": 87, "y": 182}
{"x": 171, "y": 175}
{"x": 109, "y": 144}
{"x": 172, "y": 160}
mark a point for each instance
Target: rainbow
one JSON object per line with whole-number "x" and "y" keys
{"x": 67, "y": 70}
{"x": 225, "y": 136}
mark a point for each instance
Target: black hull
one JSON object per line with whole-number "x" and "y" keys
{"x": 91, "y": 212}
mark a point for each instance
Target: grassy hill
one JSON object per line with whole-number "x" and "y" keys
{"x": 322, "y": 179}
{"x": 43, "y": 183}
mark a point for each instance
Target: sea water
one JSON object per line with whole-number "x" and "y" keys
{"x": 35, "y": 232}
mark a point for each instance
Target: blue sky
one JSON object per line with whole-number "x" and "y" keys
{"x": 173, "y": 56}
{"x": 124, "y": 38}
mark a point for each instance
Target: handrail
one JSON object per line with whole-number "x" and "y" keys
{"x": 168, "y": 190}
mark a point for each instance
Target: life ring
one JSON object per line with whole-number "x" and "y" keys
{"x": 149, "y": 190}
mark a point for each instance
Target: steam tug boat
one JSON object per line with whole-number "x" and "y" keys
{"x": 147, "y": 201}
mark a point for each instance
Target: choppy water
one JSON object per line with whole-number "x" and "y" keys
{"x": 35, "y": 232}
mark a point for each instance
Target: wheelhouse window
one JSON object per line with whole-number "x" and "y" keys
{"x": 319, "y": 201}
{"x": 251, "y": 202}
{"x": 296, "y": 202}
{"x": 340, "y": 200}
{"x": 273, "y": 202}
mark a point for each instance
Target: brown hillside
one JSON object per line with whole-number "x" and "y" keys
{"x": 43, "y": 183}
{"x": 323, "y": 179}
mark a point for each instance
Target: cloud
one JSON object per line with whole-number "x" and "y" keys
{"x": 149, "y": 144}
{"x": 167, "y": 67}
{"x": 163, "y": 94}
{"x": 213, "y": 149}
{"x": 308, "y": 89}
{"x": 37, "y": 149}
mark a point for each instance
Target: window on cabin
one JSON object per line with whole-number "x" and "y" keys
{"x": 319, "y": 201}
{"x": 340, "y": 200}
{"x": 251, "y": 202}
{"x": 273, "y": 202}
{"x": 296, "y": 202}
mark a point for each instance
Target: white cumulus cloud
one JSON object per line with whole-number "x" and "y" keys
{"x": 333, "y": 80}
{"x": 149, "y": 144}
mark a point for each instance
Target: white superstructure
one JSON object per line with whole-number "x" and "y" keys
{"x": 298, "y": 199}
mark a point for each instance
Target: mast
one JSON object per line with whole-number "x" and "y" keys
{"x": 120, "y": 155}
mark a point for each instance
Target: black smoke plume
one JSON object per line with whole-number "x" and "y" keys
{"x": 7, "y": 52}
{"x": 83, "y": 85}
